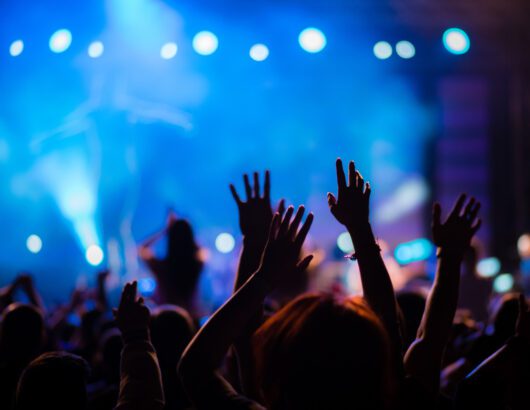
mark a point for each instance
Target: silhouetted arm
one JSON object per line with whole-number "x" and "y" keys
{"x": 424, "y": 357}
{"x": 255, "y": 216}
{"x": 28, "y": 286}
{"x": 351, "y": 209}
{"x": 101, "y": 291}
{"x": 140, "y": 379}
{"x": 200, "y": 362}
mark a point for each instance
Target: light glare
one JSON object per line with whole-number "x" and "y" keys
{"x": 34, "y": 243}
{"x": 60, "y": 41}
{"x": 225, "y": 243}
{"x": 205, "y": 43}
{"x": 94, "y": 255}
{"x": 382, "y": 50}
{"x": 16, "y": 48}
{"x": 259, "y": 52}
{"x": 168, "y": 51}
{"x": 95, "y": 49}
{"x": 312, "y": 40}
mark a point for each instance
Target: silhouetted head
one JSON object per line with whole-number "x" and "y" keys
{"x": 111, "y": 345}
{"x": 321, "y": 352}
{"x": 55, "y": 380}
{"x": 22, "y": 332}
{"x": 171, "y": 330}
{"x": 504, "y": 315}
{"x": 180, "y": 239}
{"x": 412, "y": 305}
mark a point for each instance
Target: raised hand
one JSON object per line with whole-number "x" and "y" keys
{"x": 255, "y": 214}
{"x": 351, "y": 208}
{"x": 456, "y": 232}
{"x": 132, "y": 315}
{"x": 281, "y": 254}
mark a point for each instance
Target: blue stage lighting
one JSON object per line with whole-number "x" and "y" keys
{"x": 413, "y": 251}
{"x": 16, "y": 48}
{"x": 94, "y": 255}
{"x": 60, "y": 41}
{"x": 95, "y": 49}
{"x": 34, "y": 243}
{"x": 312, "y": 40}
{"x": 382, "y": 50}
{"x": 205, "y": 43}
{"x": 168, "y": 51}
{"x": 456, "y": 41}
{"x": 225, "y": 243}
{"x": 146, "y": 286}
{"x": 405, "y": 49}
{"x": 259, "y": 52}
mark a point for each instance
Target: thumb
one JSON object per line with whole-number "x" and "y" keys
{"x": 304, "y": 263}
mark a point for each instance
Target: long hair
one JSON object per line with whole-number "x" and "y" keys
{"x": 319, "y": 352}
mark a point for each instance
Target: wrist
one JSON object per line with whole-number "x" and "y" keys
{"x": 448, "y": 252}
{"x": 361, "y": 233}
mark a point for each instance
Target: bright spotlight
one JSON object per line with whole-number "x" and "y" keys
{"x": 60, "y": 40}
{"x": 95, "y": 49}
{"x": 405, "y": 49}
{"x": 413, "y": 251}
{"x": 523, "y": 246}
{"x": 34, "y": 243}
{"x": 16, "y": 48}
{"x": 488, "y": 267}
{"x": 225, "y": 243}
{"x": 503, "y": 283}
{"x": 382, "y": 50}
{"x": 456, "y": 41}
{"x": 94, "y": 255}
{"x": 168, "y": 51}
{"x": 205, "y": 43}
{"x": 312, "y": 40}
{"x": 344, "y": 242}
{"x": 259, "y": 52}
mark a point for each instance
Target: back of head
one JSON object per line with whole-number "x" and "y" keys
{"x": 171, "y": 330}
{"x": 22, "y": 332}
{"x": 321, "y": 352}
{"x": 55, "y": 380}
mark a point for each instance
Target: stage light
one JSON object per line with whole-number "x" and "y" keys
{"x": 503, "y": 283}
{"x": 146, "y": 286}
{"x": 205, "y": 43}
{"x": 456, "y": 41}
{"x": 405, "y": 49}
{"x": 344, "y": 242}
{"x": 95, "y": 49}
{"x": 168, "y": 51}
{"x": 413, "y": 251}
{"x": 488, "y": 267}
{"x": 60, "y": 41}
{"x": 312, "y": 40}
{"x": 94, "y": 255}
{"x": 225, "y": 243}
{"x": 259, "y": 52}
{"x": 16, "y": 48}
{"x": 382, "y": 50}
{"x": 34, "y": 243}
{"x": 523, "y": 246}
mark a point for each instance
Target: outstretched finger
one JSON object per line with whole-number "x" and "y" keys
{"x": 469, "y": 206}
{"x": 248, "y": 190}
{"x": 368, "y": 190}
{"x": 457, "y": 208}
{"x": 267, "y": 187}
{"x": 256, "y": 185}
{"x": 300, "y": 238}
{"x": 474, "y": 211}
{"x": 341, "y": 178}
{"x": 360, "y": 181}
{"x": 296, "y": 221}
{"x": 235, "y": 195}
{"x": 286, "y": 220}
{"x": 351, "y": 174}
{"x": 332, "y": 201}
{"x": 281, "y": 207}
{"x": 304, "y": 263}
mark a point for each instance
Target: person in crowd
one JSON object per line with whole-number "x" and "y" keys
{"x": 178, "y": 272}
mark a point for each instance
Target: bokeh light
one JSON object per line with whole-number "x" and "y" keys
{"x": 60, "y": 41}
{"x": 488, "y": 267}
{"x": 259, "y": 52}
{"x": 503, "y": 283}
{"x": 345, "y": 243}
{"x": 94, "y": 255}
{"x": 413, "y": 251}
{"x": 205, "y": 43}
{"x": 456, "y": 41}
{"x": 16, "y": 48}
{"x": 95, "y": 49}
{"x": 225, "y": 243}
{"x": 312, "y": 40}
{"x": 382, "y": 50}
{"x": 168, "y": 51}
{"x": 34, "y": 243}
{"x": 405, "y": 49}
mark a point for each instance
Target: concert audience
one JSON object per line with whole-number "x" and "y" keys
{"x": 274, "y": 344}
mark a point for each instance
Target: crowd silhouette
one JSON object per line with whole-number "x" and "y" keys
{"x": 273, "y": 345}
